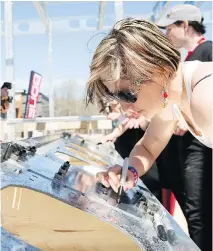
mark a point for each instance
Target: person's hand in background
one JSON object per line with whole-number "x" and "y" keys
{"x": 131, "y": 123}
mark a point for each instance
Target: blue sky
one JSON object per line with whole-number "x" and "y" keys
{"x": 71, "y": 55}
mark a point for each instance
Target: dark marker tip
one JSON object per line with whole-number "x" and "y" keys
{"x": 120, "y": 191}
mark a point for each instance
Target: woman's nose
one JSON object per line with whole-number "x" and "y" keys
{"x": 126, "y": 106}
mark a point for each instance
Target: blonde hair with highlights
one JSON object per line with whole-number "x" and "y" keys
{"x": 134, "y": 49}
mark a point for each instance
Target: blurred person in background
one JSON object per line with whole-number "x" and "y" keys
{"x": 114, "y": 109}
{"x": 184, "y": 27}
{"x": 5, "y": 99}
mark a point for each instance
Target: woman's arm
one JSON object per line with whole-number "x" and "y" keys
{"x": 145, "y": 151}
{"x": 153, "y": 142}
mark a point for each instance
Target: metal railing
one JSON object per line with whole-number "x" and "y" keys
{"x": 58, "y": 119}
{"x": 12, "y": 129}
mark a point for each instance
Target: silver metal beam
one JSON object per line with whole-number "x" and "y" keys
{"x": 63, "y": 25}
{"x": 163, "y": 11}
{"x": 102, "y": 7}
{"x": 157, "y": 9}
{"x": 48, "y": 28}
{"x": 8, "y": 24}
{"x": 58, "y": 119}
{"x": 42, "y": 13}
{"x": 199, "y": 3}
{"x": 51, "y": 93}
{"x": 58, "y": 26}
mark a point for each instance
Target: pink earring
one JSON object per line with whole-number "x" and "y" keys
{"x": 165, "y": 95}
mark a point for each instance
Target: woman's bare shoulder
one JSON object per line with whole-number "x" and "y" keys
{"x": 201, "y": 100}
{"x": 203, "y": 69}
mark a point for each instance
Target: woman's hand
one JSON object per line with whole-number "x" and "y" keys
{"x": 128, "y": 122}
{"x": 113, "y": 176}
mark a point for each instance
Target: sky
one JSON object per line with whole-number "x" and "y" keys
{"x": 72, "y": 50}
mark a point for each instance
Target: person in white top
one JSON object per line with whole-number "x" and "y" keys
{"x": 152, "y": 84}
{"x": 139, "y": 66}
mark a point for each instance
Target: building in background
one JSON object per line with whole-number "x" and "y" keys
{"x": 42, "y": 107}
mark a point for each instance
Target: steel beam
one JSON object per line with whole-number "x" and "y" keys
{"x": 102, "y": 7}
{"x": 199, "y": 3}
{"x": 48, "y": 28}
{"x": 8, "y": 32}
{"x": 158, "y": 8}
{"x": 163, "y": 11}
{"x": 42, "y": 13}
{"x": 51, "y": 93}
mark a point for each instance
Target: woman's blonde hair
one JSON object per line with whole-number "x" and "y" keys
{"x": 134, "y": 49}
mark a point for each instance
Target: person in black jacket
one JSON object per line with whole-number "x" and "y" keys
{"x": 184, "y": 26}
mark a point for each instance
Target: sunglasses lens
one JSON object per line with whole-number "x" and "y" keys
{"x": 110, "y": 96}
{"x": 122, "y": 96}
{"x": 127, "y": 97}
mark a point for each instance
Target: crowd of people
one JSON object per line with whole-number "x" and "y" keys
{"x": 162, "y": 108}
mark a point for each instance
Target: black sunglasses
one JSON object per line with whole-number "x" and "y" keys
{"x": 127, "y": 96}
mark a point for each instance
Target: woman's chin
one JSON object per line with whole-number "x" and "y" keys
{"x": 147, "y": 115}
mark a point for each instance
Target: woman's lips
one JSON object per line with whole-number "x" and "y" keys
{"x": 131, "y": 114}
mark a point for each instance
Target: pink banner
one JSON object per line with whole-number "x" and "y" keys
{"x": 33, "y": 94}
